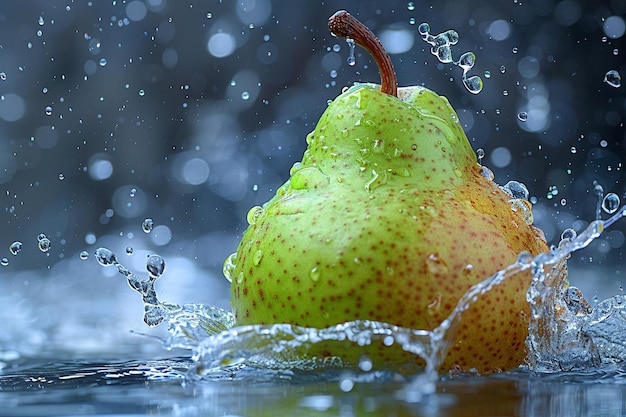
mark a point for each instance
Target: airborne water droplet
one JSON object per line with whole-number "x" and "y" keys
{"x": 4, "y": 261}
{"x": 105, "y": 257}
{"x": 155, "y": 265}
{"x": 129, "y": 250}
{"x": 48, "y": 110}
{"x": 613, "y": 79}
{"x": 474, "y": 84}
{"x": 610, "y": 203}
{"x": 522, "y": 116}
{"x": 467, "y": 61}
{"x": 147, "y": 225}
{"x": 15, "y": 247}
{"x": 480, "y": 154}
{"x": 351, "y": 60}
{"x": 568, "y": 234}
{"x": 44, "y": 244}
{"x": 424, "y": 29}
{"x": 83, "y": 255}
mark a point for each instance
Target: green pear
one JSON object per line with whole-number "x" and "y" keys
{"x": 388, "y": 217}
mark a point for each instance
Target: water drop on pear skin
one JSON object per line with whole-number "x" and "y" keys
{"x": 229, "y": 266}
{"x": 377, "y": 179}
{"x": 309, "y": 178}
{"x": 253, "y": 214}
{"x": 315, "y": 273}
{"x": 258, "y": 256}
{"x": 436, "y": 265}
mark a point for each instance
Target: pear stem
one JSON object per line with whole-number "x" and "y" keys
{"x": 342, "y": 24}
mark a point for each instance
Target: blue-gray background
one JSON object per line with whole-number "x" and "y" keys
{"x": 191, "y": 112}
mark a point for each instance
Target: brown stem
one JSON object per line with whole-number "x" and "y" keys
{"x": 342, "y": 24}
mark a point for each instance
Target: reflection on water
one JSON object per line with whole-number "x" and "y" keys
{"x": 153, "y": 387}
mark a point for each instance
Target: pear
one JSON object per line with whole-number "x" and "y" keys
{"x": 388, "y": 217}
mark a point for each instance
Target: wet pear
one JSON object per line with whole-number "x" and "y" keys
{"x": 388, "y": 217}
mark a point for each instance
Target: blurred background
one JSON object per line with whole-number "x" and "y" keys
{"x": 191, "y": 112}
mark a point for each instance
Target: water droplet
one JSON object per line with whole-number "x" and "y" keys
{"x": 245, "y": 95}
{"x": 376, "y": 180}
{"x": 346, "y": 382}
{"x": 253, "y": 214}
{"x": 240, "y": 277}
{"x": 410, "y": 6}
{"x": 48, "y": 111}
{"x": 258, "y": 255}
{"x": 44, "y": 244}
{"x": 142, "y": 93}
{"x": 229, "y": 266}
{"x": 522, "y": 116}
{"x": 424, "y": 29}
{"x": 155, "y": 265}
{"x": 568, "y": 234}
{"x": 436, "y": 265}
{"x": 147, "y": 225}
{"x": 467, "y": 61}
{"x": 502, "y": 69}
{"x": 129, "y": 250}
{"x": 309, "y": 178}
{"x": 514, "y": 50}
{"x": 474, "y": 84}
{"x": 365, "y": 363}
{"x": 516, "y": 190}
{"x": 4, "y": 261}
{"x": 314, "y": 274}
{"x": 84, "y": 255}
{"x": 524, "y": 258}
{"x": 480, "y": 154}
{"x": 598, "y": 190}
{"x": 523, "y": 207}
{"x": 610, "y": 203}
{"x": 351, "y": 59}
{"x": 41, "y": 21}
{"x": 613, "y": 79}
{"x": 133, "y": 192}
{"x": 3, "y": 76}
{"x": 61, "y": 176}
{"x": 15, "y": 247}
{"x": 103, "y": 62}
{"x": 105, "y": 257}
{"x": 487, "y": 74}
{"x": 487, "y": 173}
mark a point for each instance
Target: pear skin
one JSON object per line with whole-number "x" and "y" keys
{"x": 389, "y": 218}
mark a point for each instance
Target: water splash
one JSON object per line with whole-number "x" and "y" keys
{"x": 441, "y": 48}
{"x": 565, "y": 333}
